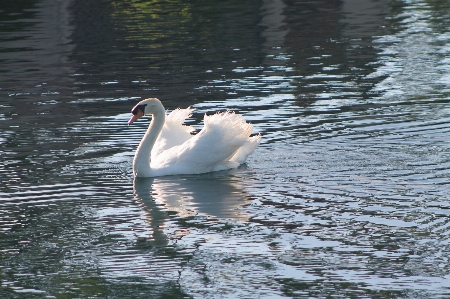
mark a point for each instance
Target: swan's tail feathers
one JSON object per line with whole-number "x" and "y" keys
{"x": 234, "y": 124}
{"x": 226, "y": 165}
{"x": 247, "y": 149}
{"x": 236, "y": 132}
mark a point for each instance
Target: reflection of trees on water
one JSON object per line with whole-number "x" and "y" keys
{"x": 168, "y": 47}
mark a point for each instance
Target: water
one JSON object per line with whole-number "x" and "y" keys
{"x": 346, "y": 197}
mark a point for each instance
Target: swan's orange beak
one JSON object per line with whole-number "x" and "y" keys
{"x": 135, "y": 117}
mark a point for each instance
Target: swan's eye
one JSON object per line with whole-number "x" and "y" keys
{"x": 137, "y": 108}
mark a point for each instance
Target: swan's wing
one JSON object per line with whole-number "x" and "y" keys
{"x": 173, "y": 132}
{"x": 221, "y": 138}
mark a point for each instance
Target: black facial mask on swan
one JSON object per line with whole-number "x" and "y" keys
{"x": 139, "y": 107}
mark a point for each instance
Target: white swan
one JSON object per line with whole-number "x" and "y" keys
{"x": 168, "y": 148}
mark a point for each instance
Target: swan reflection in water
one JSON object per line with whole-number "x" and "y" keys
{"x": 217, "y": 195}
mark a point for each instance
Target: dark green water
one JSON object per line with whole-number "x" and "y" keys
{"x": 347, "y": 196}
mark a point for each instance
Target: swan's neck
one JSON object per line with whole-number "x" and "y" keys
{"x": 141, "y": 162}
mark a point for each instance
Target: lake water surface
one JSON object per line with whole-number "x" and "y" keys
{"x": 348, "y": 195}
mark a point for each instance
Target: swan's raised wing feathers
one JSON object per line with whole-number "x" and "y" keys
{"x": 173, "y": 132}
{"x": 221, "y": 138}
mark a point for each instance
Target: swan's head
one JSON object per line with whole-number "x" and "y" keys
{"x": 145, "y": 107}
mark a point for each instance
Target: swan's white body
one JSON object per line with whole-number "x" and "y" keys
{"x": 168, "y": 148}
